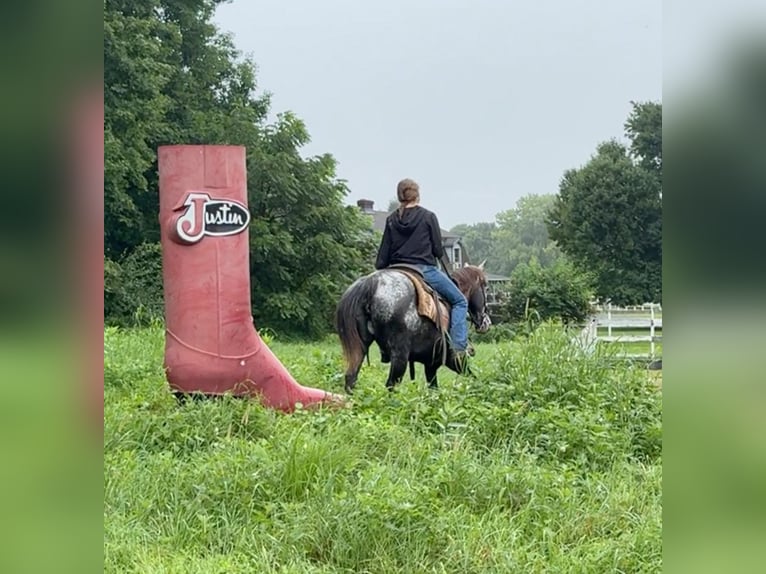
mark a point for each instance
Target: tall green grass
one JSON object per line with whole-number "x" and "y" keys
{"x": 548, "y": 460}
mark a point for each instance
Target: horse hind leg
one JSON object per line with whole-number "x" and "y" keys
{"x": 396, "y": 371}
{"x": 354, "y": 365}
{"x": 352, "y": 373}
{"x": 355, "y": 361}
{"x": 431, "y": 376}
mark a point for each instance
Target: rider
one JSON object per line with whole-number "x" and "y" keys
{"x": 413, "y": 236}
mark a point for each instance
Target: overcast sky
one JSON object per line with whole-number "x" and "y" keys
{"x": 480, "y": 101}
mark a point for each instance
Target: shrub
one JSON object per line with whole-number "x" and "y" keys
{"x": 113, "y": 300}
{"x": 133, "y": 288}
{"x": 559, "y": 292}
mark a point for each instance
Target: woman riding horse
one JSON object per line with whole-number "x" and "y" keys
{"x": 383, "y": 306}
{"x": 413, "y": 236}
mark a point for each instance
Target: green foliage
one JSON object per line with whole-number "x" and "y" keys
{"x": 608, "y": 219}
{"x": 306, "y": 247}
{"x": 112, "y": 291}
{"x": 478, "y": 242}
{"x": 537, "y": 293}
{"x": 517, "y": 236}
{"x": 608, "y": 214}
{"x": 136, "y": 81}
{"x": 133, "y": 290}
{"x": 644, "y": 129}
{"x": 172, "y": 77}
{"x": 548, "y": 460}
{"x": 522, "y": 235}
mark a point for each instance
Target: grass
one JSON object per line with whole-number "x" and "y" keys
{"x": 633, "y": 348}
{"x": 548, "y": 460}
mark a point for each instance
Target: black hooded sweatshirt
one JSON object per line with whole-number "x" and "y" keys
{"x": 413, "y": 237}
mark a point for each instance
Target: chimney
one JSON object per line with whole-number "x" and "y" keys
{"x": 366, "y": 205}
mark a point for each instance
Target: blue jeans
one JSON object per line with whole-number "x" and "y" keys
{"x": 443, "y": 285}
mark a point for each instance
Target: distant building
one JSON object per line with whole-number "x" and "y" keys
{"x": 453, "y": 244}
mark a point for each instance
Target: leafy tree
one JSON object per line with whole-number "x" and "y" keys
{"x": 133, "y": 289}
{"x": 478, "y": 242}
{"x": 521, "y": 234}
{"x": 516, "y": 236}
{"x": 644, "y": 129}
{"x": 305, "y": 245}
{"x": 393, "y": 205}
{"x": 136, "y": 75}
{"x": 172, "y": 77}
{"x": 608, "y": 218}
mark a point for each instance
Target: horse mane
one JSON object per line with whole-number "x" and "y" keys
{"x": 469, "y": 277}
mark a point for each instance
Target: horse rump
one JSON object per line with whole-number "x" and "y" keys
{"x": 351, "y": 316}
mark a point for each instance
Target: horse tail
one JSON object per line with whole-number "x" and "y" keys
{"x": 351, "y": 317}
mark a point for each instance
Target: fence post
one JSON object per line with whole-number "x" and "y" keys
{"x": 609, "y": 319}
{"x": 651, "y": 333}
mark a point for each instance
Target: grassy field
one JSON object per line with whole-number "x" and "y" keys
{"x": 547, "y": 460}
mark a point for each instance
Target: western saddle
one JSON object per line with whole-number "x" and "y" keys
{"x": 429, "y": 303}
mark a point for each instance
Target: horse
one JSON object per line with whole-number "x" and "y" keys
{"x": 381, "y": 307}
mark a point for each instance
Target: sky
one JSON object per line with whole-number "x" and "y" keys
{"x": 480, "y": 101}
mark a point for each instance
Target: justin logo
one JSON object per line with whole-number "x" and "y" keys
{"x": 207, "y": 216}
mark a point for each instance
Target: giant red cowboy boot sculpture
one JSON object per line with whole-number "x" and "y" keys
{"x": 211, "y": 343}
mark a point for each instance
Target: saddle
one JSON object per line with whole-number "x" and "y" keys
{"x": 428, "y": 302}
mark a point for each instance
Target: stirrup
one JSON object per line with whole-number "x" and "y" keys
{"x": 469, "y": 350}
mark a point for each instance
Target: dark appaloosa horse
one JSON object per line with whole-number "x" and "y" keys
{"x": 381, "y": 307}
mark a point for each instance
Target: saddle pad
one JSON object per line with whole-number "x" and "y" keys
{"x": 428, "y": 303}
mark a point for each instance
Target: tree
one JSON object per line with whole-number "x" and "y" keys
{"x": 644, "y": 129}
{"x": 608, "y": 219}
{"x": 522, "y": 234}
{"x": 393, "y": 205}
{"x": 306, "y": 247}
{"x": 172, "y": 77}
{"x": 136, "y": 75}
{"x": 478, "y": 242}
{"x": 517, "y": 236}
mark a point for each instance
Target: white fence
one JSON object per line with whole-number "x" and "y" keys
{"x": 613, "y": 319}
